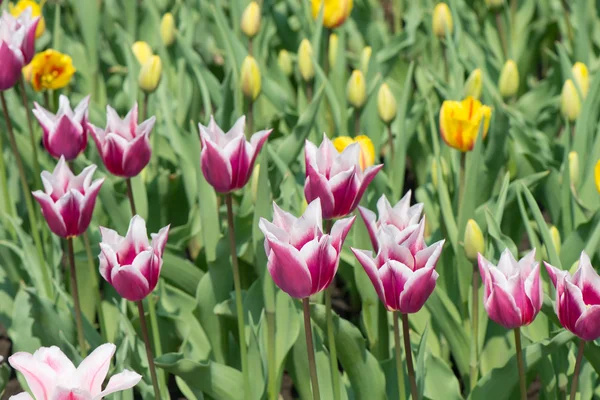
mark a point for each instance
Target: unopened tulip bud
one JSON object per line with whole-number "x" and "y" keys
{"x": 597, "y": 176}
{"x": 509, "y": 79}
{"x": 442, "y": 20}
{"x": 250, "y": 78}
{"x": 473, "y": 240}
{"x": 555, "y": 235}
{"x": 333, "y": 49}
{"x": 254, "y": 182}
{"x": 386, "y": 104}
{"x": 285, "y": 62}
{"x": 581, "y": 77}
{"x": 570, "y": 103}
{"x": 357, "y": 89}
{"x": 474, "y": 84}
{"x": 574, "y": 168}
{"x": 434, "y": 172}
{"x": 251, "y": 20}
{"x": 492, "y": 4}
{"x": 142, "y": 51}
{"x": 150, "y": 74}
{"x": 167, "y": 29}
{"x": 307, "y": 69}
{"x": 365, "y": 58}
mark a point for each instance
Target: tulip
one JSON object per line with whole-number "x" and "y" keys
{"x": 581, "y": 77}
{"x": 573, "y": 158}
{"x": 142, "y": 52}
{"x": 332, "y": 51}
{"x": 513, "y": 292}
{"x": 132, "y": 264}
{"x": 35, "y": 12}
{"x": 578, "y": 298}
{"x": 570, "y": 103}
{"x": 251, "y": 19}
{"x": 508, "y": 84}
{"x": 335, "y": 11}
{"x": 403, "y": 271}
{"x": 473, "y": 241}
{"x": 64, "y": 132}
{"x": 386, "y": 104}
{"x": 335, "y": 178}
{"x": 365, "y": 59}
{"x": 474, "y": 84}
{"x": 150, "y": 74}
{"x": 28, "y": 22}
{"x": 397, "y": 218}
{"x": 51, "y": 375}
{"x": 250, "y": 80}
{"x": 460, "y": 122}
{"x": 51, "y": 70}
{"x": 302, "y": 258}
{"x": 556, "y": 241}
{"x": 597, "y": 175}
{"x": 442, "y": 20}
{"x": 367, "y": 150}
{"x": 356, "y": 90}
{"x": 124, "y": 146}
{"x": 228, "y": 159}
{"x": 67, "y": 200}
{"x": 17, "y": 41}
{"x": 285, "y": 62}
{"x": 167, "y": 29}
{"x": 305, "y": 65}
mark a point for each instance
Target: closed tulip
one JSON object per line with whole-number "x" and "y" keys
{"x": 227, "y": 159}
{"x": 397, "y": 218}
{"x": 150, "y": 74}
{"x": 67, "y": 200}
{"x": 386, "y": 104}
{"x": 356, "y": 90}
{"x": 17, "y": 41}
{"x": 167, "y": 29}
{"x": 513, "y": 292}
{"x": 124, "y": 146}
{"x": 581, "y": 76}
{"x": 251, "y": 19}
{"x": 578, "y": 298}
{"x": 473, "y": 240}
{"x": 142, "y": 52}
{"x": 570, "y": 102}
{"x": 302, "y": 258}
{"x": 474, "y": 84}
{"x": 51, "y": 375}
{"x": 403, "y": 270}
{"x": 335, "y": 12}
{"x": 573, "y": 158}
{"x": 250, "y": 80}
{"x": 132, "y": 264}
{"x": 460, "y": 122}
{"x": 335, "y": 178}
{"x": 305, "y": 65}
{"x": 365, "y": 59}
{"x": 285, "y": 62}
{"x": 65, "y": 133}
{"x": 508, "y": 84}
{"x": 442, "y": 20}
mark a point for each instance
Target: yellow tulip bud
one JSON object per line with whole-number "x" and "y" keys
{"x": 597, "y": 176}
{"x": 250, "y": 78}
{"x": 581, "y": 77}
{"x": 509, "y": 79}
{"x": 460, "y": 121}
{"x": 473, "y": 240}
{"x": 167, "y": 29}
{"x": 492, "y": 4}
{"x": 442, "y": 20}
{"x": 307, "y": 69}
{"x": 474, "y": 84}
{"x": 356, "y": 90}
{"x": 333, "y": 49}
{"x": 150, "y": 74}
{"x": 555, "y": 235}
{"x": 251, "y": 19}
{"x": 386, "y": 104}
{"x": 574, "y": 168}
{"x": 285, "y": 62}
{"x": 142, "y": 51}
{"x": 365, "y": 58}
{"x": 570, "y": 103}
{"x": 254, "y": 182}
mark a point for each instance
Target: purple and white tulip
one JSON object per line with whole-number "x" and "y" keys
{"x": 17, "y": 46}
{"x": 67, "y": 200}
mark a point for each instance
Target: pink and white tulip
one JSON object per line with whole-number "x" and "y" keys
{"x": 124, "y": 145}
{"x": 67, "y": 200}
{"x": 52, "y": 376}
{"x": 17, "y": 46}
{"x": 132, "y": 264}
{"x": 64, "y": 133}
{"x": 512, "y": 290}
{"x": 335, "y": 178}
{"x": 403, "y": 271}
{"x": 227, "y": 159}
{"x": 302, "y": 258}
{"x": 578, "y": 298}
{"x": 398, "y": 217}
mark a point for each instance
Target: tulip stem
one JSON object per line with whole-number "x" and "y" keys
{"x": 475, "y": 327}
{"x": 238, "y": 296}
{"x": 501, "y": 34}
{"x": 356, "y": 121}
{"x": 8, "y": 208}
{"x": 409, "y": 362}
{"x": 95, "y": 283}
{"x": 522, "y": 376}
{"x": 130, "y": 196}
{"x": 577, "y": 369}
{"x": 157, "y": 345}
{"x": 567, "y": 20}
{"x": 335, "y": 372}
{"x": 250, "y": 118}
{"x": 28, "y": 202}
{"x": 75, "y": 294}
{"x": 391, "y": 144}
{"x": 272, "y": 364}
{"x": 145, "y": 106}
{"x": 36, "y": 163}
{"x": 310, "y": 350}
{"x": 398, "y": 348}
{"x": 146, "y": 337}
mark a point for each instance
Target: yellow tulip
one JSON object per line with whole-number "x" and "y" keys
{"x": 574, "y": 168}
{"x": 460, "y": 121}
{"x": 508, "y": 84}
{"x": 142, "y": 52}
{"x": 356, "y": 89}
{"x": 581, "y": 77}
{"x": 367, "y": 150}
{"x": 150, "y": 74}
{"x": 36, "y": 11}
{"x": 251, "y": 19}
{"x": 365, "y": 58}
{"x": 167, "y": 29}
{"x": 570, "y": 103}
{"x": 50, "y": 69}
{"x": 307, "y": 69}
{"x": 597, "y": 176}
{"x": 333, "y": 49}
{"x": 555, "y": 236}
{"x": 335, "y": 11}
{"x": 285, "y": 62}
{"x": 474, "y": 84}
{"x": 442, "y": 20}
{"x": 251, "y": 83}
{"x": 473, "y": 241}
{"x": 386, "y": 104}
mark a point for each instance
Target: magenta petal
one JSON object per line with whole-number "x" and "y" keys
{"x": 113, "y": 152}
{"x": 366, "y": 260}
{"x": 283, "y": 219}
{"x": 70, "y": 206}
{"x": 321, "y": 259}
{"x": 317, "y": 187}
{"x": 216, "y": 167}
{"x": 88, "y": 206}
{"x": 394, "y": 276}
{"x": 556, "y": 275}
{"x": 588, "y": 280}
{"x": 533, "y": 290}
{"x": 417, "y": 290}
{"x": 339, "y": 231}
{"x": 369, "y": 175}
{"x": 502, "y": 309}
{"x": 66, "y": 139}
{"x": 344, "y": 188}
{"x": 308, "y": 226}
{"x": 130, "y": 283}
{"x": 55, "y": 359}
{"x": 571, "y": 306}
{"x": 257, "y": 141}
{"x": 159, "y": 240}
{"x": 288, "y": 269}
{"x": 236, "y": 152}
{"x": 108, "y": 261}
{"x": 51, "y": 213}
{"x": 12, "y": 62}
{"x": 136, "y": 156}
{"x": 588, "y": 324}
{"x": 148, "y": 264}
{"x": 61, "y": 393}
{"x": 370, "y": 220}
{"x": 28, "y": 47}
{"x": 429, "y": 256}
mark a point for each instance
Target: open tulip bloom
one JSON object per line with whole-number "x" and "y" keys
{"x": 228, "y": 158}
{"x": 67, "y": 200}
{"x": 17, "y": 46}
{"x": 52, "y": 376}
{"x": 65, "y": 134}
{"x": 336, "y": 178}
{"x": 124, "y": 145}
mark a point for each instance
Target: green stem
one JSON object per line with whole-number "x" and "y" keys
{"x": 8, "y": 209}
{"x": 238, "y": 296}
{"x": 75, "y": 294}
{"x": 335, "y": 372}
{"x": 461, "y": 177}
{"x": 28, "y": 202}
{"x": 522, "y": 376}
{"x": 398, "y": 348}
{"x": 513, "y": 18}
{"x": 577, "y": 369}
{"x": 310, "y": 350}
{"x": 36, "y": 163}
{"x": 130, "y": 196}
{"x": 475, "y": 327}
{"x": 269, "y": 294}
{"x": 567, "y": 20}
{"x": 157, "y": 345}
{"x": 146, "y": 336}
{"x": 391, "y": 145}
{"x": 409, "y": 362}
{"x": 356, "y": 121}
{"x": 501, "y": 34}
{"x": 95, "y": 284}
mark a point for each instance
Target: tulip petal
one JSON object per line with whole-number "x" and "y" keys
{"x": 269, "y": 228}
{"x": 136, "y": 156}
{"x": 55, "y": 359}
{"x": 66, "y": 139}
{"x": 130, "y": 283}
{"x": 149, "y": 266}
{"x": 108, "y": 261}
{"x": 61, "y": 393}
{"x": 587, "y": 326}
{"x": 390, "y": 250}
{"x": 502, "y": 309}
{"x": 159, "y": 240}
{"x": 316, "y": 186}
{"x": 288, "y": 269}
{"x": 216, "y": 167}
{"x": 308, "y": 226}
{"x": 111, "y": 238}
{"x": 428, "y": 257}
{"x": 39, "y": 376}
{"x": 484, "y": 271}
{"x": 283, "y": 219}
{"x": 394, "y": 276}
{"x": 365, "y": 258}
{"x": 12, "y": 62}
{"x": 137, "y": 235}
{"x": 417, "y": 289}
{"x": 570, "y": 305}
{"x": 588, "y": 280}
{"x": 236, "y": 152}
{"x": 415, "y": 241}
{"x": 507, "y": 264}
{"x": 70, "y": 206}
{"x": 21, "y": 396}
{"x": 368, "y": 176}
{"x": 121, "y": 381}
{"x": 51, "y": 213}
{"x": 321, "y": 259}
{"x": 527, "y": 263}
{"x": 257, "y": 142}
{"x": 370, "y": 221}
{"x": 145, "y": 128}
{"x": 556, "y": 275}
{"x": 89, "y": 202}
{"x": 339, "y": 231}
{"x": 93, "y": 369}
{"x": 112, "y": 153}
{"x": 344, "y": 187}
{"x": 533, "y": 291}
